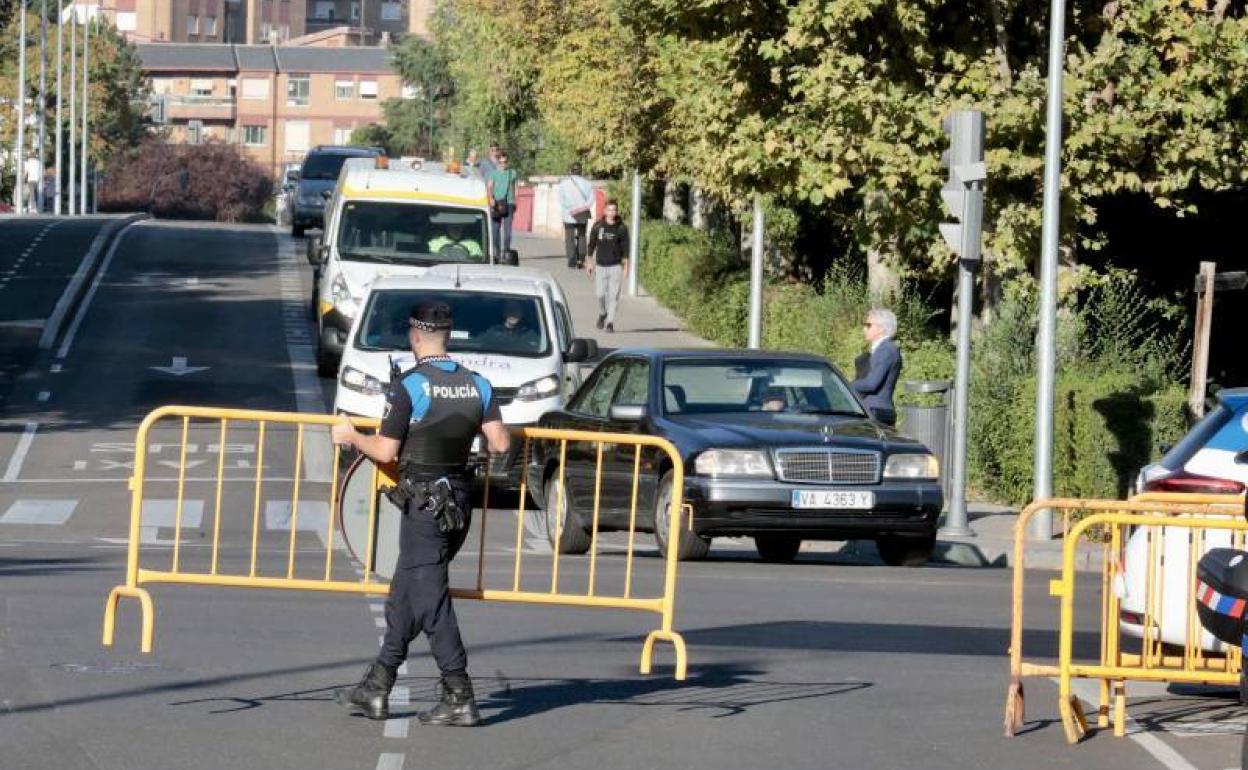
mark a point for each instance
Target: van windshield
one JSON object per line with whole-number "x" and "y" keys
{"x": 406, "y": 233}
{"x": 485, "y": 322}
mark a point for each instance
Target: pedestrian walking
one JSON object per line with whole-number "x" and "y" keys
{"x": 576, "y": 202}
{"x": 433, "y": 413}
{"x": 607, "y": 262}
{"x": 501, "y": 189}
{"x": 33, "y": 170}
{"x": 884, "y": 366}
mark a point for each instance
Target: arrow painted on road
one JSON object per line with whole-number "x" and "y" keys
{"x": 178, "y": 367}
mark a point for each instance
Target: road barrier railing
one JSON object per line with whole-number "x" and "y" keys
{"x": 1150, "y": 546}
{"x": 286, "y": 442}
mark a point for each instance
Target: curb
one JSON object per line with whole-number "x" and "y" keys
{"x": 82, "y": 278}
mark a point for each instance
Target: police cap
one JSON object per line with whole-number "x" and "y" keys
{"x": 430, "y": 316}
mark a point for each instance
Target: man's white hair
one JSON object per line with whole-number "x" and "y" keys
{"x": 886, "y": 320}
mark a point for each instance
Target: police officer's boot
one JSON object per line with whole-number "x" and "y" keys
{"x": 372, "y": 694}
{"x": 458, "y": 707}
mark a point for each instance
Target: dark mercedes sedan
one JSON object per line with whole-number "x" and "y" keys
{"x": 776, "y": 446}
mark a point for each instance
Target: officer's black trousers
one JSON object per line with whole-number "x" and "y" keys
{"x": 420, "y": 596}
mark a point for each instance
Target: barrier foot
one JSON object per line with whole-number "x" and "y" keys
{"x": 678, "y": 643}
{"x": 1073, "y": 720}
{"x": 145, "y": 608}
{"x": 1102, "y": 709}
{"x": 1014, "y": 708}
{"x": 1120, "y": 709}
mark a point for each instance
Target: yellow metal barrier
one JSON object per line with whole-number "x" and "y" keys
{"x": 1153, "y": 660}
{"x": 224, "y": 423}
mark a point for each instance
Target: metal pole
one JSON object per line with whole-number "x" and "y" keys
{"x": 86, "y": 103}
{"x": 1046, "y": 344}
{"x": 955, "y": 517}
{"x": 60, "y": 72}
{"x": 634, "y": 240}
{"x": 43, "y": 103}
{"x": 756, "y": 277}
{"x": 73, "y": 107}
{"x": 19, "y": 184}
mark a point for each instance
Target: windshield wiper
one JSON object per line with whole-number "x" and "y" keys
{"x": 363, "y": 256}
{"x": 836, "y": 412}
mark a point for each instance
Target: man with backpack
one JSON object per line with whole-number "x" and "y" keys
{"x": 576, "y": 200}
{"x": 607, "y": 262}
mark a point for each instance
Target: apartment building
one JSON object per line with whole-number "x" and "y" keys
{"x": 378, "y": 20}
{"x": 275, "y": 102}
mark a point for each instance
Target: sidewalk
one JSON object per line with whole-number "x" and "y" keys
{"x": 642, "y": 321}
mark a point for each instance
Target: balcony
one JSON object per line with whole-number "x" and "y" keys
{"x": 215, "y": 108}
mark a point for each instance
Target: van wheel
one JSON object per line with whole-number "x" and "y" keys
{"x": 901, "y": 551}
{"x": 326, "y": 361}
{"x": 692, "y": 546}
{"x": 573, "y": 537}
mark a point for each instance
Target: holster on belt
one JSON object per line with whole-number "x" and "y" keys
{"x": 435, "y": 497}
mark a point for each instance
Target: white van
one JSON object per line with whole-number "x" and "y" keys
{"x": 389, "y": 221}
{"x": 512, "y": 326}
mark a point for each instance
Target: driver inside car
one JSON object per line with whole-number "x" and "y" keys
{"x": 515, "y": 333}
{"x": 455, "y": 236}
{"x": 774, "y": 400}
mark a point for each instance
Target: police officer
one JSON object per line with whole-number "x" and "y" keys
{"x": 433, "y": 413}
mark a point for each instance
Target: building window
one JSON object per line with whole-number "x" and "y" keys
{"x": 323, "y": 10}
{"x": 210, "y": 26}
{"x": 297, "y": 136}
{"x": 297, "y": 90}
{"x": 192, "y": 25}
{"x": 355, "y": 10}
{"x": 255, "y": 88}
{"x": 391, "y": 12}
{"x": 410, "y": 92}
{"x": 253, "y": 136}
{"x": 195, "y": 132}
{"x": 127, "y": 21}
{"x": 343, "y": 135}
{"x": 344, "y": 90}
{"x": 231, "y": 87}
{"x": 368, "y": 89}
{"x": 283, "y": 33}
{"x": 201, "y": 87}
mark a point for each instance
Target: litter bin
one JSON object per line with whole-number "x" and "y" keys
{"x": 929, "y": 423}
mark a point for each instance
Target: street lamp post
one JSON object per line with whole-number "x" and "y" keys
{"x": 756, "y": 276}
{"x": 86, "y": 103}
{"x": 43, "y": 103}
{"x": 73, "y": 106}
{"x": 60, "y": 70}
{"x": 19, "y": 152}
{"x": 634, "y": 240}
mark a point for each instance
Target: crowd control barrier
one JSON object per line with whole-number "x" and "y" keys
{"x": 1149, "y": 630}
{"x": 253, "y": 541}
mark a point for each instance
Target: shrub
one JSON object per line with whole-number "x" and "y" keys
{"x": 206, "y": 181}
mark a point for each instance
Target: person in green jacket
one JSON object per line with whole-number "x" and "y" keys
{"x": 501, "y": 189}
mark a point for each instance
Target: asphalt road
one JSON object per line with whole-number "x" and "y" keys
{"x": 832, "y": 662}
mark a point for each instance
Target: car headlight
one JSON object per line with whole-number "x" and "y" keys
{"x": 912, "y": 466}
{"x": 341, "y": 297}
{"x": 360, "y": 382}
{"x": 733, "y": 462}
{"x": 538, "y": 389}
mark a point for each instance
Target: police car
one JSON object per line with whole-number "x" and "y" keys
{"x": 512, "y": 326}
{"x": 389, "y": 221}
{"x": 1211, "y": 459}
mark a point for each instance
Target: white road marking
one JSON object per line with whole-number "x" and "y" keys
{"x": 178, "y": 367}
{"x": 401, "y": 696}
{"x": 402, "y": 669}
{"x": 49, "y": 512}
{"x": 377, "y": 607}
{"x": 396, "y": 728}
{"x": 55, "y": 369}
{"x": 80, "y": 465}
{"x": 1161, "y": 751}
{"x": 68, "y": 342}
{"x": 313, "y": 515}
{"x": 163, "y": 513}
{"x": 20, "y": 451}
{"x": 44, "y": 395}
{"x": 379, "y": 622}
{"x": 390, "y": 762}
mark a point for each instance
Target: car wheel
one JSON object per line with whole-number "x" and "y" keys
{"x": 296, "y": 231}
{"x": 572, "y": 535}
{"x": 902, "y": 551}
{"x": 692, "y": 546}
{"x": 780, "y": 549}
{"x": 326, "y": 361}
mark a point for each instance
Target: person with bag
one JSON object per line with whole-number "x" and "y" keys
{"x": 607, "y": 263}
{"x": 576, "y": 202}
{"x": 500, "y": 186}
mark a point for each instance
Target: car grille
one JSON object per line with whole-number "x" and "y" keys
{"x": 505, "y": 395}
{"x": 828, "y": 466}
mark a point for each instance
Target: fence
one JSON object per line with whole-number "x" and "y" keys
{"x": 239, "y": 549}
{"x": 1150, "y": 545}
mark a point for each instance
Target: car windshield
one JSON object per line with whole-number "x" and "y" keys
{"x": 718, "y": 386}
{"x": 408, "y": 233}
{"x": 501, "y": 324}
{"x": 326, "y": 165}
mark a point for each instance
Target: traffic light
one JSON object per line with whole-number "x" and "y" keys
{"x": 963, "y": 193}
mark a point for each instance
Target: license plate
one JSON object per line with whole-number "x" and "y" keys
{"x": 833, "y": 498}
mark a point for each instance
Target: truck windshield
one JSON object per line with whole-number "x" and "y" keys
{"x": 409, "y": 233}
{"x": 485, "y": 322}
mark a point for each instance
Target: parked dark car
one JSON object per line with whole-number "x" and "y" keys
{"x": 318, "y": 175}
{"x": 775, "y": 446}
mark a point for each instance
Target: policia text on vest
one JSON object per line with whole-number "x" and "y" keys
{"x": 433, "y": 413}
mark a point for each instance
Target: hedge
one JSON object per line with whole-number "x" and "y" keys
{"x": 1108, "y": 422}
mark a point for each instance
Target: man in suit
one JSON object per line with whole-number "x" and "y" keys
{"x": 876, "y": 386}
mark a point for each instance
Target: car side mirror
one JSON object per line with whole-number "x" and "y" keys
{"x": 510, "y": 257}
{"x": 627, "y": 413}
{"x": 1242, "y": 458}
{"x": 581, "y": 350}
{"x": 316, "y": 250}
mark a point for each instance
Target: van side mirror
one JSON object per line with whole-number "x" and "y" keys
{"x": 316, "y": 250}
{"x": 627, "y": 413}
{"x": 581, "y": 350}
{"x": 510, "y": 257}
{"x": 1242, "y": 458}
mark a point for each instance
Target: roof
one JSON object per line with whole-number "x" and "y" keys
{"x": 212, "y": 57}
{"x": 403, "y": 184}
{"x": 1233, "y": 397}
{"x": 442, "y": 278}
{"x": 176, "y": 57}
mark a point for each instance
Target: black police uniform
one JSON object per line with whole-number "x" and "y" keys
{"x": 436, "y": 409}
